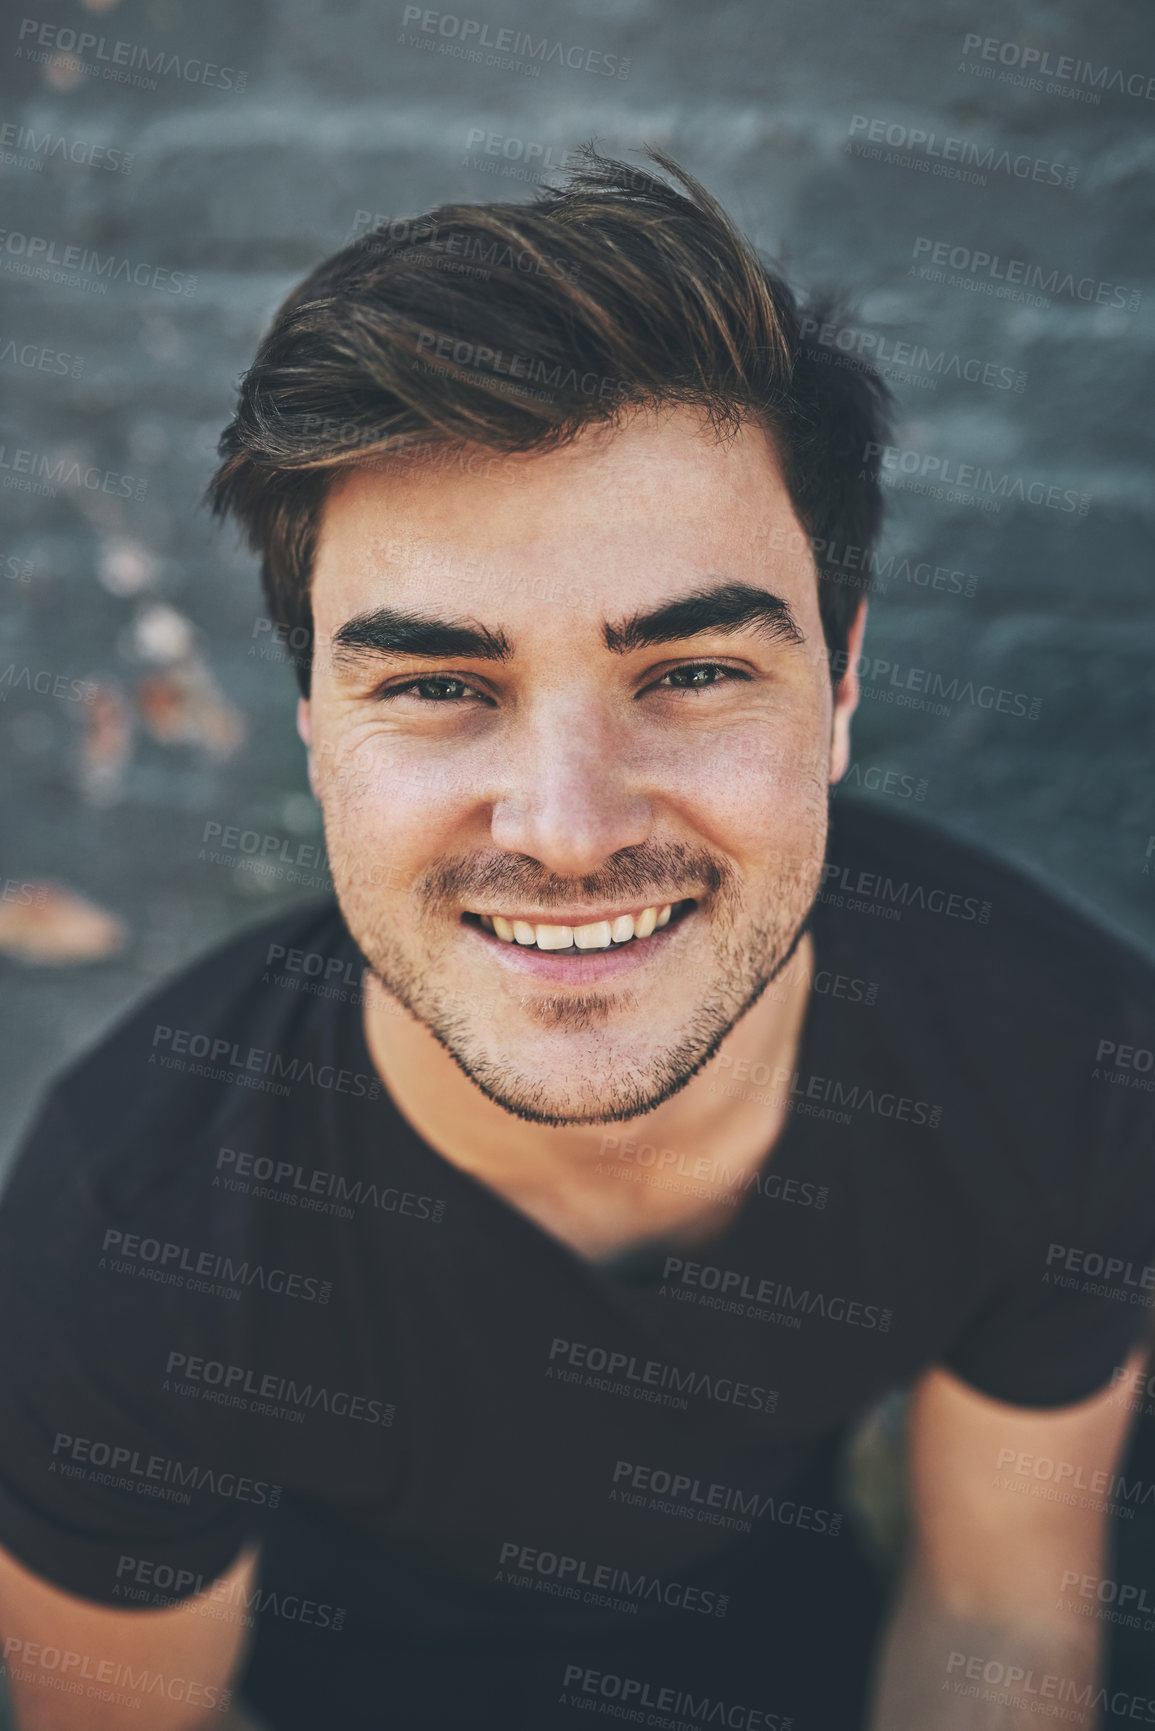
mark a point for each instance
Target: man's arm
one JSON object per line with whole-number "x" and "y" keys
{"x": 72, "y": 1665}
{"x": 988, "y": 1631}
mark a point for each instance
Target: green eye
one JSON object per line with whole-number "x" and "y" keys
{"x": 443, "y": 688}
{"x": 440, "y": 690}
{"x": 698, "y": 676}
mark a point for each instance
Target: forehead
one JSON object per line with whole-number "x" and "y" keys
{"x": 619, "y": 519}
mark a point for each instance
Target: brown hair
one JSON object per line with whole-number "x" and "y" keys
{"x": 618, "y": 289}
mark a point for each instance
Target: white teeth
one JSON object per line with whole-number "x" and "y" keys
{"x": 598, "y": 935}
{"x": 554, "y": 937}
{"x": 595, "y": 937}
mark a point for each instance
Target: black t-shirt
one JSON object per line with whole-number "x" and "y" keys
{"x": 495, "y": 1481}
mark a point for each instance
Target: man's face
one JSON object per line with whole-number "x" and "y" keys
{"x": 519, "y": 731}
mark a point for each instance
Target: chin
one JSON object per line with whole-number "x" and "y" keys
{"x": 567, "y": 1110}
{"x": 623, "y": 1083}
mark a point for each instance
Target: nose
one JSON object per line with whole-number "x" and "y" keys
{"x": 570, "y": 795}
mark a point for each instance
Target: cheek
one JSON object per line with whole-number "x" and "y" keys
{"x": 753, "y": 778}
{"x": 764, "y": 804}
{"x": 388, "y": 803}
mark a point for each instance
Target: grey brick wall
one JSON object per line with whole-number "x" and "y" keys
{"x": 231, "y": 193}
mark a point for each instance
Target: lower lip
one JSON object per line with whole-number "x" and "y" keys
{"x": 587, "y": 966}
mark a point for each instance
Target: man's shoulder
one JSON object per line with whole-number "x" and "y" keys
{"x": 1001, "y": 999}
{"x": 926, "y": 895}
{"x": 155, "y": 1079}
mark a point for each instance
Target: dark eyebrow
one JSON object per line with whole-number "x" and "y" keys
{"x": 386, "y": 631}
{"x": 726, "y": 607}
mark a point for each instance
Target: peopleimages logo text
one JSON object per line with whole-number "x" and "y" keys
{"x": 632, "y": 1693}
{"x": 134, "y": 1248}
{"x": 161, "y": 1584}
{"x": 474, "y": 33}
{"x": 24, "y": 147}
{"x": 936, "y": 685}
{"x": 662, "y": 1491}
{"x": 1002, "y": 1677}
{"x": 272, "y": 1177}
{"x": 116, "y": 56}
{"x": 651, "y": 1377}
{"x": 1065, "y": 68}
{"x": 40, "y": 254}
{"x": 1094, "y": 1262}
{"x": 906, "y": 360}
{"x": 219, "y": 1051}
{"x": 29, "y": 471}
{"x": 238, "y": 1385}
{"x": 520, "y": 1560}
{"x": 1016, "y": 273}
{"x": 45, "y": 683}
{"x": 162, "y": 1470}
{"x": 40, "y": 358}
{"x": 973, "y": 478}
{"x": 66, "y": 1668}
{"x": 916, "y": 141}
{"x": 733, "y": 1283}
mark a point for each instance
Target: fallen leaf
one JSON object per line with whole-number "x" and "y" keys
{"x": 107, "y": 743}
{"x": 185, "y": 706}
{"x": 54, "y": 925}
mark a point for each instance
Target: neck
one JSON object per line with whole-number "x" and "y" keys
{"x": 452, "y": 1115}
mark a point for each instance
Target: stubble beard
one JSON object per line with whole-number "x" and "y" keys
{"x": 612, "y": 1088}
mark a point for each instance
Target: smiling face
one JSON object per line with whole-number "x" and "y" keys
{"x": 572, "y": 729}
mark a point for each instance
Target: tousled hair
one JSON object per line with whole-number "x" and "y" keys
{"x": 513, "y": 327}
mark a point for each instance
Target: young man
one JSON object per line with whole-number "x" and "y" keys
{"x": 443, "y": 1307}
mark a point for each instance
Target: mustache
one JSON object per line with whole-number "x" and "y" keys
{"x": 651, "y": 871}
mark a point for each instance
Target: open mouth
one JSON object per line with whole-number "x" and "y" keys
{"x": 589, "y": 937}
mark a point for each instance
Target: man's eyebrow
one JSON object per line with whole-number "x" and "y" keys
{"x": 387, "y": 631}
{"x": 726, "y": 607}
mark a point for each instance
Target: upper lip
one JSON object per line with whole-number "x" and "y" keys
{"x": 559, "y": 916}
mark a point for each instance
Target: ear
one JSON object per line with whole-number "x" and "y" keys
{"x": 305, "y": 729}
{"x": 846, "y": 699}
